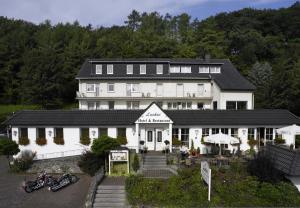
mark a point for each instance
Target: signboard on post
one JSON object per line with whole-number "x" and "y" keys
{"x": 206, "y": 175}
{"x": 118, "y": 156}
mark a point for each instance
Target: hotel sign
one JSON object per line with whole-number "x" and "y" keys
{"x": 118, "y": 155}
{"x": 206, "y": 175}
{"x": 154, "y": 115}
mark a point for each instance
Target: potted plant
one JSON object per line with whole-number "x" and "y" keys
{"x": 167, "y": 147}
{"x": 142, "y": 146}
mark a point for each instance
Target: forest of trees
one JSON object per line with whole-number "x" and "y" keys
{"x": 38, "y": 63}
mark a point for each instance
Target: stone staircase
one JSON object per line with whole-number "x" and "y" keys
{"x": 110, "y": 193}
{"x": 155, "y": 165}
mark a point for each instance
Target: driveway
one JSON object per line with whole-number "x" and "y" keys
{"x": 12, "y": 195}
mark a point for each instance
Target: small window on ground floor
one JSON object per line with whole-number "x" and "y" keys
{"x": 102, "y": 132}
{"x": 41, "y": 133}
{"x": 251, "y": 133}
{"x": 224, "y": 130}
{"x": 91, "y": 105}
{"x": 205, "y": 132}
{"x": 84, "y": 132}
{"x": 200, "y": 106}
{"x": 23, "y": 133}
{"x": 121, "y": 132}
{"x": 175, "y": 133}
{"x": 215, "y": 130}
{"x": 59, "y": 133}
{"x": 185, "y": 136}
{"x": 269, "y": 133}
{"x": 234, "y": 132}
{"x": 111, "y": 105}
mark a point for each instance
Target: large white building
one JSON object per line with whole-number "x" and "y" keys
{"x": 153, "y": 100}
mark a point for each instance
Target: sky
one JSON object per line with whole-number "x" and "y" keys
{"x": 114, "y": 12}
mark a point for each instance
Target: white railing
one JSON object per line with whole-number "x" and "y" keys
{"x": 59, "y": 154}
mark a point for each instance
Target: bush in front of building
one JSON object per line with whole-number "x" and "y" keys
{"x": 176, "y": 142}
{"x": 23, "y": 162}
{"x": 135, "y": 163}
{"x": 122, "y": 140}
{"x": 23, "y": 141}
{"x": 41, "y": 141}
{"x": 85, "y": 140}
{"x": 279, "y": 140}
{"x": 8, "y": 148}
{"x": 59, "y": 140}
{"x": 90, "y": 163}
{"x": 103, "y": 145}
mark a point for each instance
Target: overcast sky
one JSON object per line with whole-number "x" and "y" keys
{"x": 115, "y": 12}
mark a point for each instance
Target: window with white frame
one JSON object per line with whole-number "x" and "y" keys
{"x": 110, "y": 69}
{"x": 205, "y": 132}
{"x": 234, "y": 132}
{"x": 90, "y": 87}
{"x": 143, "y": 69}
{"x": 224, "y": 130}
{"x": 133, "y": 104}
{"x": 251, "y": 133}
{"x": 215, "y": 130}
{"x": 185, "y": 136}
{"x": 203, "y": 69}
{"x": 269, "y": 133}
{"x": 129, "y": 69}
{"x": 98, "y": 105}
{"x": 98, "y": 68}
{"x": 134, "y": 87}
{"x": 159, "y": 69}
{"x": 174, "y": 69}
{"x": 91, "y": 105}
{"x": 215, "y": 69}
{"x": 110, "y": 87}
{"x": 186, "y": 69}
{"x": 180, "y": 105}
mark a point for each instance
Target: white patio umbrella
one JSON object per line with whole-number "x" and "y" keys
{"x": 221, "y": 138}
{"x": 290, "y": 130}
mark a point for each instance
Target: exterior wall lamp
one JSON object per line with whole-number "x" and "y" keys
{"x": 15, "y": 133}
{"x": 49, "y": 133}
{"x": 244, "y": 131}
{"x": 93, "y": 133}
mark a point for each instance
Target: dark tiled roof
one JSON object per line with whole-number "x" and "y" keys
{"x": 128, "y": 117}
{"x": 229, "y": 79}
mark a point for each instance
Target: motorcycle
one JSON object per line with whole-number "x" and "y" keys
{"x": 41, "y": 181}
{"x": 63, "y": 181}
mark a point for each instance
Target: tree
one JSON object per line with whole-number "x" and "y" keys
{"x": 8, "y": 148}
{"x": 135, "y": 163}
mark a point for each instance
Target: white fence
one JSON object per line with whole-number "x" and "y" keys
{"x": 59, "y": 154}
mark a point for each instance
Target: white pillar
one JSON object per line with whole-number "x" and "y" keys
{"x": 137, "y": 138}
{"x": 170, "y": 136}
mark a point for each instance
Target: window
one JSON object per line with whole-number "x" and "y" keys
{"x": 241, "y": 105}
{"x": 111, "y": 105}
{"x": 129, "y": 69}
{"x": 174, "y": 69}
{"x": 59, "y": 133}
{"x": 121, "y": 132}
{"x": 84, "y": 132}
{"x": 159, "y": 136}
{"x": 175, "y": 133}
{"x": 215, "y": 105}
{"x": 98, "y": 105}
{"x": 185, "y": 69}
{"x": 90, "y": 87}
{"x": 180, "y": 105}
{"x": 133, "y": 104}
{"x": 110, "y": 69}
{"x": 188, "y": 105}
{"x": 215, "y": 69}
{"x": 215, "y": 130}
{"x": 269, "y": 134}
{"x": 169, "y": 105}
{"x": 251, "y": 134}
{"x": 224, "y": 130}
{"x": 234, "y": 132}
{"x": 159, "y": 103}
{"x": 203, "y": 69}
{"x": 132, "y": 88}
{"x": 102, "y": 132}
{"x": 205, "y": 132}
{"x": 159, "y": 69}
{"x": 98, "y": 68}
{"x": 110, "y": 87}
{"x": 185, "y": 136}
{"x": 149, "y": 136}
{"x": 41, "y": 133}
{"x": 200, "y": 106}
{"x": 143, "y": 69}
{"x": 23, "y": 133}
{"x": 230, "y": 105}
{"x": 91, "y": 105}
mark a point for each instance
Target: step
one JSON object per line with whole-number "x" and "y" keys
{"x": 110, "y": 195}
{"x": 109, "y": 191}
{"x": 110, "y": 200}
{"x": 105, "y": 187}
{"x": 108, "y": 204}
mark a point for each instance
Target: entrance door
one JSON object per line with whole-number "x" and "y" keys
{"x": 150, "y": 140}
{"x": 159, "y": 140}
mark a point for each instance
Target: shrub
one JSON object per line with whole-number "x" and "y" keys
{"x": 263, "y": 168}
{"x": 122, "y": 140}
{"x": 85, "y": 140}
{"x": 41, "y": 141}
{"x": 279, "y": 140}
{"x": 59, "y": 140}
{"x": 198, "y": 150}
{"x": 23, "y": 162}
{"x": 103, "y": 145}
{"x": 176, "y": 141}
{"x": 8, "y": 148}
{"x": 135, "y": 163}
{"x": 252, "y": 143}
{"x": 24, "y": 141}
{"x": 90, "y": 163}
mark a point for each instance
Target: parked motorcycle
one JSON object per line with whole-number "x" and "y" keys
{"x": 41, "y": 181}
{"x": 63, "y": 181}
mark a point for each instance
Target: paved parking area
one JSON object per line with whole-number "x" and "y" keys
{"x": 13, "y": 196}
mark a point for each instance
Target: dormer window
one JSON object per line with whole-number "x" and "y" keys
{"x": 174, "y": 69}
{"x": 129, "y": 69}
{"x": 159, "y": 69}
{"x": 110, "y": 69}
{"x": 99, "y": 69}
{"x": 186, "y": 69}
{"x": 203, "y": 69}
{"x": 215, "y": 69}
{"x": 143, "y": 69}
